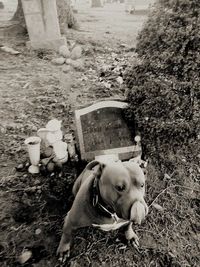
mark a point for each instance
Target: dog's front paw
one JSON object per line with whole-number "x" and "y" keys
{"x": 131, "y": 235}
{"x": 63, "y": 252}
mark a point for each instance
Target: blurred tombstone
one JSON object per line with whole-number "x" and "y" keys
{"x": 102, "y": 130}
{"x": 97, "y": 3}
{"x": 42, "y": 24}
{"x": 1, "y": 5}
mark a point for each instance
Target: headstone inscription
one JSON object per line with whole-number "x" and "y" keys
{"x": 102, "y": 130}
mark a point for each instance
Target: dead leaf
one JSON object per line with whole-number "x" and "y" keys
{"x": 166, "y": 176}
{"x": 157, "y": 206}
{"x": 10, "y": 50}
{"x": 120, "y": 80}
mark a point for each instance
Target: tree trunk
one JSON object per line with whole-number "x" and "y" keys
{"x": 64, "y": 10}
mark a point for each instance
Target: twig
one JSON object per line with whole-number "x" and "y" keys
{"x": 169, "y": 187}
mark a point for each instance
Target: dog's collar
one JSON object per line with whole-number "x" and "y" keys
{"x": 99, "y": 204}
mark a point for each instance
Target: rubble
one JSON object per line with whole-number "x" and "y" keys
{"x": 25, "y": 256}
{"x": 76, "y": 52}
{"x": 64, "y": 51}
{"x": 58, "y": 61}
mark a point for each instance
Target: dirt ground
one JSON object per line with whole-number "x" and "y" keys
{"x": 33, "y": 91}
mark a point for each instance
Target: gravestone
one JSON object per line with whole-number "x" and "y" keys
{"x": 102, "y": 130}
{"x": 42, "y": 24}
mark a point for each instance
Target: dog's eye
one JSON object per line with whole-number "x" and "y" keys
{"x": 120, "y": 188}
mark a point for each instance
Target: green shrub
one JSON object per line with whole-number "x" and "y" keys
{"x": 164, "y": 88}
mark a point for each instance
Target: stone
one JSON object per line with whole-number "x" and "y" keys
{"x": 66, "y": 68}
{"x": 68, "y": 61}
{"x": 38, "y": 231}
{"x": 102, "y": 130}
{"x": 76, "y": 52}
{"x": 58, "y": 61}
{"x": 64, "y": 51}
{"x": 77, "y": 64}
{"x": 25, "y": 256}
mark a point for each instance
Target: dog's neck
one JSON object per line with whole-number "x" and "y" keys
{"x": 99, "y": 204}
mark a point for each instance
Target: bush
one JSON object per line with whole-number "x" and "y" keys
{"x": 163, "y": 89}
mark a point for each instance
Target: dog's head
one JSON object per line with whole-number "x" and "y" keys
{"x": 122, "y": 187}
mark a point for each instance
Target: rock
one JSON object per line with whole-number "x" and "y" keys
{"x": 25, "y": 256}
{"x": 38, "y": 231}
{"x": 68, "y": 61}
{"x": 76, "y": 52}
{"x": 27, "y": 164}
{"x": 20, "y": 167}
{"x": 64, "y": 51}
{"x": 77, "y": 64}
{"x": 66, "y": 68}
{"x": 58, "y": 61}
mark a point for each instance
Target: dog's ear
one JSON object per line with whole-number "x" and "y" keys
{"x": 97, "y": 167}
{"x": 99, "y": 170}
{"x": 92, "y": 164}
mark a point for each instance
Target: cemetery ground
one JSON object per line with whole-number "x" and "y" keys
{"x": 32, "y": 208}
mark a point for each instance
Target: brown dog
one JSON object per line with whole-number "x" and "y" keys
{"x": 106, "y": 196}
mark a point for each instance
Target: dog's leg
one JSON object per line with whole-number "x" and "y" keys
{"x": 131, "y": 235}
{"x": 71, "y": 223}
{"x": 65, "y": 243}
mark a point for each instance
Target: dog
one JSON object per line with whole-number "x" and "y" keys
{"x": 108, "y": 196}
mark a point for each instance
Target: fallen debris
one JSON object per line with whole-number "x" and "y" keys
{"x": 58, "y": 61}
{"x": 76, "y": 52}
{"x": 157, "y": 207}
{"x": 64, "y": 51}
{"x": 9, "y": 50}
{"x": 25, "y": 256}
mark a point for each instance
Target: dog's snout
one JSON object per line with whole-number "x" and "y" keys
{"x": 138, "y": 211}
